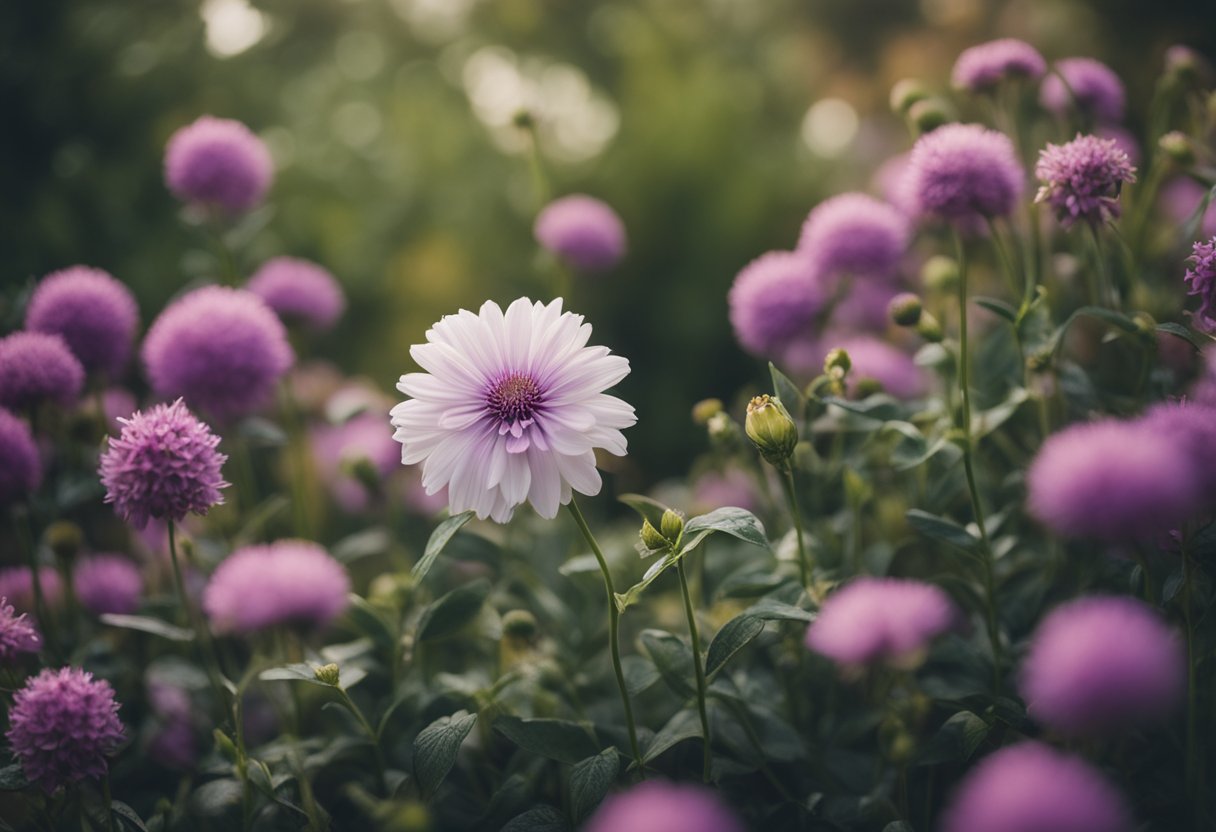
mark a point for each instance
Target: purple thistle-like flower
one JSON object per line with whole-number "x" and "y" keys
{"x": 1202, "y": 279}
{"x": 221, "y": 349}
{"x": 888, "y": 620}
{"x": 36, "y": 367}
{"x": 289, "y": 582}
{"x": 774, "y": 300}
{"x": 1031, "y": 787}
{"x": 220, "y": 162}
{"x": 299, "y": 290}
{"x": 107, "y": 584}
{"x": 95, "y": 315}
{"x": 17, "y": 585}
{"x": 854, "y": 235}
{"x": 165, "y": 464}
{"x": 963, "y": 172}
{"x": 985, "y": 65}
{"x": 656, "y": 806}
{"x": 1083, "y": 178}
{"x": 336, "y": 448}
{"x": 583, "y": 231}
{"x": 1092, "y": 87}
{"x": 511, "y": 409}
{"x": 17, "y": 634}
{"x": 63, "y": 726}
{"x": 20, "y": 462}
{"x": 1101, "y": 665}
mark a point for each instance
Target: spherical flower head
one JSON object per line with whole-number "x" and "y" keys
{"x": 774, "y": 300}
{"x": 656, "y": 806}
{"x": 583, "y": 231}
{"x": 222, "y": 349}
{"x": 63, "y": 726}
{"x": 165, "y": 464}
{"x": 511, "y": 409}
{"x": 855, "y": 235}
{"x": 1031, "y": 787}
{"x": 882, "y": 620}
{"x": 290, "y": 583}
{"x": 172, "y": 742}
{"x": 107, "y": 584}
{"x": 984, "y": 66}
{"x": 36, "y": 367}
{"x": 1092, "y": 87}
{"x": 219, "y": 162}
{"x": 964, "y": 172}
{"x": 17, "y": 634}
{"x": 299, "y": 291}
{"x": 1082, "y": 179}
{"x": 17, "y": 585}
{"x": 95, "y": 315}
{"x": 1099, "y": 666}
{"x": 20, "y": 462}
{"x": 361, "y": 440}
{"x": 1192, "y": 424}
{"x": 1202, "y": 279}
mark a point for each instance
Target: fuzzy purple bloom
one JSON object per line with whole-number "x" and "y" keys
{"x": 17, "y": 634}
{"x": 964, "y": 172}
{"x": 361, "y": 439}
{"x": 95, "y": 315}
{"x": 107, "y": 584}
{"x": 1031, "y": 787}
{"x": 774, "y": 300}
{"x": 217, "y": 161}
{"x": 1100, "y": 665}
{"x": 656, "y": 806}
{"x": 1092, "y": 86}
{"x": 164, "y": 465}
{"x": 172, "y": 741}
{"x": 117, "y": 403}
{"x": 20, "y": 462}
{"x": 299, "y": 290}
{"x": 17, "y": 584}
{"x": 1123, "y": 138}
{"x": 583, "y": 231}
{"x": 888, "y": 620}
{"x": 288, "y": 582}
{"x": 864, "y": 308}
{"x": 1192, "y": 425}
{"x": 1083, "y": 178}
{"x": 36, "y": 367}
{"x": 985, "y": 65}
{"x": 854, "y": 235}
{"x": 1202, "y": 279}
{"x": 221, "y": 349}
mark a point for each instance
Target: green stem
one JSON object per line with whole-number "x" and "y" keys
{"x": 804, "y": 562}
{"x": 25, "y": 537}
{"x": 698, "y": 666}
{"x": 205, "y": 645}
{"x": 372, "y": 737}
{"x": 1102, "y": 291}
{"x": 227, "y": 264}
{"x": 299, "y": 472}
{"x": 614, "y": 628}
{"x": 108, "y": 800}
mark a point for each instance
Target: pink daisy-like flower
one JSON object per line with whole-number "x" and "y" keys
{"x": 511, "y": 408}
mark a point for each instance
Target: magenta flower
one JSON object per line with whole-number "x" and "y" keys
{"x": 1082, "y": 179}
{"x": 17, "y": 634}
{"x": 299, "y": 291}
{"x": 17, "y": 585}
{"x": 1093, "y": 88}
{"x": 774, "y": 300}
{"x": 984, "y": 66}
{"x": 1202, "y": 279}
{"x": 95, "y": 315}
{"x": 1102, "y": 665}
{"x": 292, "y": 583}
{"x": 164, "y": 465}
{"x": 172, "y": 741}
{"x": 107, "y": 584}
{"x": 20, "y": 462}
{"x": 963, "y": 172}
{"x": 583, "y": 231}
{"x": 217, "y": 161}
{"x": 656, "y": 806}
{"x": 36, "y": 367}
{"x": 511, "y": 409}
{"x": 854, "y": 235}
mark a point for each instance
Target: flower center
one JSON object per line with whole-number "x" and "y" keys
{"x": 513, "y": 399}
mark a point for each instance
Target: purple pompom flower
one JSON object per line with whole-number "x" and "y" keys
{"x": 63, "y": 726}
{"x": 1092, "y": 86}
{"x": 95, "y": 315}
{"x": 583, "y": 231}
{"x": 107, "y": 584}
{"x": 511, "y": 409}
{"x": 1100, "y": 665}
{"x": 1202, "y": 278}
{"x": 17, "y": 634}
{"x": 963, "y": 172}
{"x": 854, "y": 235}
{"x": 887, "y": 620}
{"x": 220, "y": 162}
{"x": 299, "y": 290}
{"x": 293, "y": 583}
{"x": 20, "y": 462}
{"x": 17, "y": 585}
{"x": 222, "y": 349}
{"x": 656, "y": 806}
{"x": 1192, "y": 425}
{"x": 1031, "y": 787}
{"x": 1083, "y": 178}
{"x": 775, "y": 300}
{"x": 164, "y": 465}
{"x": 359, "y": 440}
{"x": 985, "y": 65}
{"x": 36, "y": 367}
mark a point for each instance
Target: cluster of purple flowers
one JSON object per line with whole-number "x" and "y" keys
{"x": 1083, "y": 178}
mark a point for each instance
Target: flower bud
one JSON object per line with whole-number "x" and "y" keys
{"x": 652, "y": 537}
{"x": 836, "y": 364}
{"x": 1178, "y": 148}
{"x": 905, "y": 93}
{"x": 928, "y": 115}
{"x": 672, "y": 525}
{"x": 771, "y": 429}
{"x": 904, "y": 309}
{"x": 1184, "y": 64}
{"x": 866, "y": 386}
{"x": 705, "y": 410}
{"x": 722, "y": 429}
{"x": 64, "y": 538}
{"x": 519, "y": 624}
{"x": 328, "y": 674}
{"x": 929, "y": 328}
{"x": 940, "y": 274}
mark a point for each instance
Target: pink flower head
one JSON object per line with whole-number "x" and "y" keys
{"x": 964, "y": 172}
{"x": 17, "y": 585}
{"x": 107, "y": 584}
{"x": 37, "y": 367}
{"x": 774, "y": 300}
{"x": 656, "y": 806}
{"x": 1082, "y": 179}
{"x": 986, "y": 65}
{"x": 95, "y": 315}
{"x": 854, "y": 235}
{"x": 1092, "y": 87}
{"x": 583, "y": 231}
{"x": 299, "y": 290}
{"x": 20, "y": 462}
{"x": 220, "y": 162}
{"x": 17, "y": 634}
{"x": 1202, "y": 279}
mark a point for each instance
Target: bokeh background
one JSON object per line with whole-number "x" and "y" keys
{"x": 712, "y": 126}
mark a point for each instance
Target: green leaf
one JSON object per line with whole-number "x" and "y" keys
{"x": 730, "y": 520}
{"x": 436, "y": 747}
{"x": 542, "y": 818}
{"x": 986, "y": 421}
{"x": 685, "y": 725}
{"x": 451, "y": 612}
{"x": 943, "y": 530}
{"x": 956, "y": 740}
{"x": 557, "y": 739}
{"x": 146, "y": 624}
{"x": 262, "y": 433}
{"x": 649, "y": 509}
{"x": 12, "y": 778}
{"x": 439, "y": 539}
{"x": 127, "y": 817}
{"x": 771, "y": 609}
{"x": 787, "y": 392}
{"x": 590, "y": 780}
{"x": 672, "y": 657}
{"x": 733, "y": 637}
{"x": 369, "y": 621}
{"x": 298, "y": 672}
{"x": 998, "y": 307}
{"x": 363, "y": 544}
{"x": 640, "y": 674}
{"x": 629, "y": 596}
{"x": 1180, "y": 331}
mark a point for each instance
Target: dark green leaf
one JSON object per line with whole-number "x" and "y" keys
{"x": 771, "y": 609}
{"x": 435, "y": 749}
{"x": 299, "y": 672}
{"x": 146, "y": 624}
{"x": 439, "y": 538}
{"x": 453, "y": 611}
{"x": 1179, "y": 331}
{"x": 369, "y": 621}
{"x": 262, "y": 433}
{"x": 672, "y": 657}
{"x": 557, "y": 739}
{"x": 127, "y": 817}
{"x": 956, "y": 740}
{"x": 363, "y": 544}
{"x": 898, "y": 826}
{"x": 640, "y": 674}
{"x": 631, "y": 595}
{"x": 12, "y": 778}
{"x": 541, "y": 818}
{"x": 943, "y": 530}
{"x": 730, "y": 520}
{"x": 732, "y": 638}
{"x": 998, "y": 307}
{"x": 986, "y": 421}
{"x": 590, "y": 780}
{"x": 787, "y": 392}
{"x": 685, "y": 725}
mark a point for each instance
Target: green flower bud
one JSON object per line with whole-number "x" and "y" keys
{"x": 836, "y": 364}
{"x": 523, "y": 119}
{"x": 653, "y": 538}
{"x": 672, "y": 525}
{"x": 65, "y": 539}
{"x": 866, "y": 386}
{"x": 905, "y": 93}
{"x": 930, "y": 329}
{"x": 1178, "y": 148}
{"x": 904, "y": 309}
{"x": 771, "y": 429}
{"x": 940, "y": 274}
{"x": 520, "y": 624}
{"x": 928, "y": 115}
{"x": 722, "y": 429}
{"x": 328, "y": 674}
{"x": 225, "y": 745}
{"x": 705, "y": 410}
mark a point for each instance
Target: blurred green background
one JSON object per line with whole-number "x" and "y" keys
{"x": 711, "y": 125}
